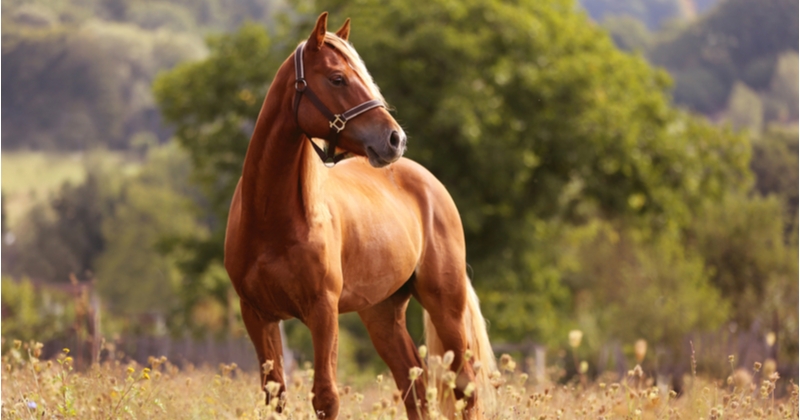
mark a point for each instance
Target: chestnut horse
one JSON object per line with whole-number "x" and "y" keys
{"x": 310, "y": 241}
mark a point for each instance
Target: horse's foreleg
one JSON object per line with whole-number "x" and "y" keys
{"x": 386, "y": 323}
{"x": 266, "y": 337}
{"x": 323, "y": 322}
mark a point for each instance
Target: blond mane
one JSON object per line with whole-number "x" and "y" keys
{"x": 356, "y": 63}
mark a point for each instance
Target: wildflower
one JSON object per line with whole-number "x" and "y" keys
{"x": 379, "y": 379}
{"x": 32, "y": 405}
{"x": 448, "y": 358}
{"x": 575, "y": 337}
{"x": 17, "y": 344}
{"x": 523, "y": 378}
{"x": 468, "y": 355}
{"x": 449, "y": 378}
{"x": 469, "y": 389}
{"x": 396, "y": 396}
{"x": 430, "y": 393}
{"x": 637, "y": 371}
{"x": 423, "y": 351}
{"x": 731, "y": 358}
{"x": 460, "y": 405}
{"x": 414, "y": 373}
{"x": 507, "y": 363}
{"x": 65, "y": 350}
{"x": 130, "y": 370}
{"x": 757, "y": 366}
{"x": 267, "y": 366}
{"x": 770, "y": 338}
{"x": 640, "y": 349}
{"x": 584, "y": 366}
{"x": 273, "y": 388}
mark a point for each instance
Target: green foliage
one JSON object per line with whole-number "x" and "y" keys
{"x": 64, "y": 236}
{"x": 742, "y": 240}
{"x": 631, "y": 284}
{"x": 775, "y": 164}
{"x": 34, "y": 314}
{"x": 133, "y": 276}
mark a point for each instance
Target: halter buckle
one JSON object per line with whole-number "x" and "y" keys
{"x": 338, "y": 123}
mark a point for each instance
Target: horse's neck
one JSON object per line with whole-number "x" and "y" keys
{"x": 281, "y": 178}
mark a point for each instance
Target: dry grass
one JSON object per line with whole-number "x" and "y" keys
{"x": 32, "y": 388}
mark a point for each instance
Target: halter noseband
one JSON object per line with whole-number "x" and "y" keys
{"x": 337, "y": 122}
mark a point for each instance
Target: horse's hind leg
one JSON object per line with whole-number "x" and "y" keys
{"x": 441, "y": 288}
{"x": 386, "y": 323}
{"x": 266, "y": 337}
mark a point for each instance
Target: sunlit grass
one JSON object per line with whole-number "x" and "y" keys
{"x": 33, "y": 388}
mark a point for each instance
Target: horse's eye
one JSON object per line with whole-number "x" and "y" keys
{"x": 337, "y": 80}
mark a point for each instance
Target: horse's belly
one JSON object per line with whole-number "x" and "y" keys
{"x": 376, "y": 266}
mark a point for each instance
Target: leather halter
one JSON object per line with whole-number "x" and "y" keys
{"x": 337, "y": 122}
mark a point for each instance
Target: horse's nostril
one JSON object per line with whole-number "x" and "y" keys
{"x": 394, "y": 139}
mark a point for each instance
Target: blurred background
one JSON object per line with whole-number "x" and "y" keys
{"x": 624, "y": 168}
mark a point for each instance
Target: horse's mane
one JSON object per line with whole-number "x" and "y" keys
{"x": 352, "y": 57}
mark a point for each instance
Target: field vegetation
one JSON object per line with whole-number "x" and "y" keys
{"x": 34, "y": 388}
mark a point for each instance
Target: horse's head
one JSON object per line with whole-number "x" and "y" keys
{"x": 333, "y": 88}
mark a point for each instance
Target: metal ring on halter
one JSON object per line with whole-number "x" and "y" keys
{"x": 297, "y": 85}
{"x": 338, "y": 123}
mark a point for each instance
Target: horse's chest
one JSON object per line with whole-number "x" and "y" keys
{"x": 280, "y": 283}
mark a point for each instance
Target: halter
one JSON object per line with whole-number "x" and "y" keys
{"x": 337, "y": 122}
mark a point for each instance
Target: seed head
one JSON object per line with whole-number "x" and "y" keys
{"x": 470, "y": 388}
{"x": 640, "y": 349}
{"x": 575, "y": 337}
{"x": 423, "y": 351}
{"x": 267, "y": 367}
{"x": 447, "y": 360}
{"x": 460, "y": 404}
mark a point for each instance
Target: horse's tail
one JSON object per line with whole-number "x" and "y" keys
{"x": 478, "y": 342}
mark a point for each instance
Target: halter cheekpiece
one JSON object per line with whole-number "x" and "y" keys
{"x": 337, "y": 122}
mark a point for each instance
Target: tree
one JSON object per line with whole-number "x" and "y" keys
{"x": 133, "y": 274}
{"x": 63, "y": 236}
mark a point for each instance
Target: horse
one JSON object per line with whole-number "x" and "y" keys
{"x": 311, "y": 236}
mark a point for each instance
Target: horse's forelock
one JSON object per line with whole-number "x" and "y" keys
{"x": 356, "y": 63}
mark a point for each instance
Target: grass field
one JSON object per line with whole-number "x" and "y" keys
{"x": 30, "y": 177}
{"x": 52, "y": 389}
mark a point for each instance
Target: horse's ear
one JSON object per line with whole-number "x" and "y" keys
{"x": 344, "y": 31}
{"x": 317, "y": 37}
